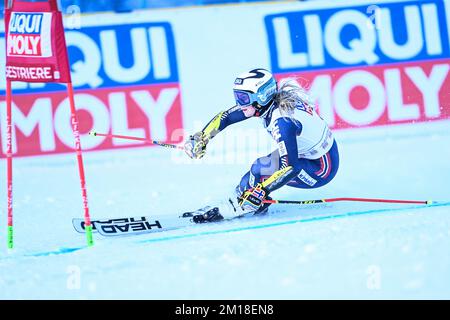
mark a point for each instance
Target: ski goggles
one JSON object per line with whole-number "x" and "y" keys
{"x": 244, "y": 98}
{"x": 262, "y": 97}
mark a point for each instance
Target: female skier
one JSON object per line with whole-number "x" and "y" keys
{"x": 307, "y": 155}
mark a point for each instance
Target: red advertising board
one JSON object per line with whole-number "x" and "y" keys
{"x": 380, "y": 95}
{"x": 42, "y": 122}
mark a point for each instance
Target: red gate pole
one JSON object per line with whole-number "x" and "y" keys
{"x": 76, "y": 133}
{"x": 9, "y": 178}
{"x": 59, "y": 64}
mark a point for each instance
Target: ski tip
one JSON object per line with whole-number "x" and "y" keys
{"x": 430, "y": 202}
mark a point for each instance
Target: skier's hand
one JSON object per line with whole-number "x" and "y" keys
{"x": 195, "y": 147}
{"x": 252, "y": 199}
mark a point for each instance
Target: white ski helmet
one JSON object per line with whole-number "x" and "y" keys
{"x": 257, "y": 88}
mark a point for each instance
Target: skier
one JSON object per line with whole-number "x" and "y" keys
{"x": 307, "y": 155}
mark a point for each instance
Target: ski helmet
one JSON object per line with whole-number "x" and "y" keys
{"x": 255, "y": 88}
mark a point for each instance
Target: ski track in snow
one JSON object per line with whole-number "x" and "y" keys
{"x": 340, "y": 250}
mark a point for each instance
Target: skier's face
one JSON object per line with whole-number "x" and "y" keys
{"x": 249, "y": 111}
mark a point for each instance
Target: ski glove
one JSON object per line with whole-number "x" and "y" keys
{"x": 252, "y": 199}
{"x": 195, "y": 147}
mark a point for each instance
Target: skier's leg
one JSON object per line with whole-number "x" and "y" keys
{"x": 262, "y": 168}
{"x": 313, "y": 174}
{"x": 319, "y": 172}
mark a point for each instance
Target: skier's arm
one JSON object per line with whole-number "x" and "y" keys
{"x": 195, "y": 147}
{"x": 223, "y": 120}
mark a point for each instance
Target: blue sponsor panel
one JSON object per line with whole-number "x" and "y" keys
{"x": 25, "y": 23}
{"x": 357, "y": 36}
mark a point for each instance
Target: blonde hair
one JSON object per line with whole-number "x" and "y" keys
{"x": 290, "y": 94}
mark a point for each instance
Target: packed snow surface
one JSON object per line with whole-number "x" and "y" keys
{"x": 339, "y": 251}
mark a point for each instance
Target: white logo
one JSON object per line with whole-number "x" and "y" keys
{"x": 252, "y": 180}
{"x": 276, "y": 132}
{"x": 263, "y": 96}
{"x": 306, "y": 178}
{"x": 282, "y": 148}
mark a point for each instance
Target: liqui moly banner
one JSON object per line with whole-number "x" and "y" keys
{"x": 35, "y": 45}
{"x": 367, "y": 65}
{"x": 126, "y": 82}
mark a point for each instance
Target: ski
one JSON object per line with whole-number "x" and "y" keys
{"x": 133, "y": 225}
{"x": 79, "y": 224}
{"x": 141, "y": 225}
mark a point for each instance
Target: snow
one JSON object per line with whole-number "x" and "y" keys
{"x": 340, "y": 251}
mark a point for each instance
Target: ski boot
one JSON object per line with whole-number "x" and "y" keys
{"x": 203, "y": 215}
{"x": 263, "y": 210}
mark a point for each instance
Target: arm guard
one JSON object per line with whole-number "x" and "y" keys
{"x": 223, "y": 120}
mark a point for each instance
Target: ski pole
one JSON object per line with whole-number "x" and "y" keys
{"x": 427, "y": 202}
{"x": 158, "y": 143}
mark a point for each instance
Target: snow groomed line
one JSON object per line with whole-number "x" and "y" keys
{"x": 62, "y": 251}
{"x": 43, "y": 254}
{"x": 56, "y": 252}
{"x": 290, "y": 222}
